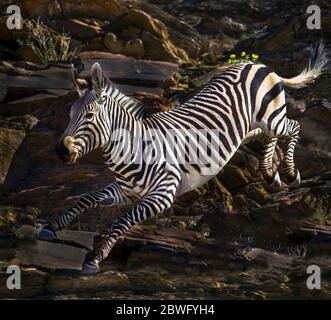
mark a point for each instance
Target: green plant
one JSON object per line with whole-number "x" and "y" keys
{"x": 298, "y": 251}
{"x": 322, "y": 208}
{"x": 49, "y": 45}
{"x": 244, "y": 57}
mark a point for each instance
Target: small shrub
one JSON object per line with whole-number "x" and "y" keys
{"x": 244, "y": 57}
{"x": 50, "y": 46}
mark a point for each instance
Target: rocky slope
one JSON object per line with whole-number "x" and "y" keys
{"x": 233, "y": 237}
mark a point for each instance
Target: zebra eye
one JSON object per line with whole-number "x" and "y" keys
{"x": 90, "y": 115}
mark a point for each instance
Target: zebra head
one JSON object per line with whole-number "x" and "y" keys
{"x": 89, "y": 121}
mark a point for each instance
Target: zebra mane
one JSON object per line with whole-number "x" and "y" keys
{"x": 133, "y": 106}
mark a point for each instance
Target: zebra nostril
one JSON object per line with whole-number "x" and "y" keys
{"x": 62, "y": 151}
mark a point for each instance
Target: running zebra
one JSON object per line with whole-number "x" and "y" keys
{"x": 233, "y": 107}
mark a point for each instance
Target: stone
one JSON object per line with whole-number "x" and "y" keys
{"x": 232, "y": 27}
{"x": 106, "y": 281}
{"x": 154, "y": 35}
{"x": 82, "y": 239}
{"x": 28, "y": 54}
{"x": 72, "y": 9}
{"x": 134, "y": 48}
{"x": 14, "y": 160}
{"x": 32, "y": 285}
{"x": 111, "y": 42}
{"x": 181, "y": 34}
{"x": 51, "y": 255}
{"x": 160, "y": 49}
{"x": 11, "y": 217}
{"x": 234, "y": 177}
{"x": 125, "y": 70}
{"x": 81, "y": 29}
{"x": 3, "y": 93}
{"x": 96, "y": 44}
{"x": 267, "y": 259}
{"x": 142, "y": 21}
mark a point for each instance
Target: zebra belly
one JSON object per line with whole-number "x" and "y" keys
{"x": 193, "y": 180}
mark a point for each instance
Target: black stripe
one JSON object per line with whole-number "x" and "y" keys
{"x": 274, "y": 115}
{"x": 259, "y": 76}
{"x": 269, "y": 96}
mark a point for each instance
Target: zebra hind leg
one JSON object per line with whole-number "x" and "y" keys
{"x": 291, "y": 174}
{"x": 266, "y": 162}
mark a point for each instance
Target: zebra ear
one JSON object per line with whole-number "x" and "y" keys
{"x": 80, "y": 83}
{"x": 97, "y": 79}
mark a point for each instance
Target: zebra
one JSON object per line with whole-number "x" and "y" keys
{"x": 240, "y": 102}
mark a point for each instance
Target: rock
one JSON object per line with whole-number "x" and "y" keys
{"x": 134, "y": 48}
{"x": 181, "y": 34}
{"x": 14, "y": 157}
{"x": 158, "y": 49}
{"x": 3, "y": 93}
{"x": 27, "y": 81}
{"x": 27, "y": 105}
{"x": 123, "y": 70}
{"x": 111, "y": 42}
{"x": 267, "y": 259}
{"x": 28, "y": 54}
{"x": 32, "y": 285}
{"x": 96, "y": 44}
{"x": 232, "y": 27}
{"x": 72, "y": 9}
{"x": 62, "y": 256}
{"x": 80, "y": 239}
{"x": 107, "y": 281}
{"x": 141, "y": 20}
{"x": 81, "y": 29}
{"x": 234, "y": 177}
{"x": 257, "y": 193}
{"x": 154, "y": 35}
{"x": 12, "y": 217}
{"x": 295, "y": 108}
{"x": 320, "y": 112}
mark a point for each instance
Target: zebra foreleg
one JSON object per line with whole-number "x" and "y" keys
{"x": 154, "y": 203}
{"x": 112, "y": 195}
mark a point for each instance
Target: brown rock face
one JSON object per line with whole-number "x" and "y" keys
{"x": 138, "y": 33}
{"x": 81, "y": 29}
{"x": 162, "y": 49}
{"x": 71, "y": 8}
{"x": 27, "y": 54}
{"x": 14, "y": 156}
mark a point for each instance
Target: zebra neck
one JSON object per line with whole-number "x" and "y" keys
{"x": 131, "y": 107}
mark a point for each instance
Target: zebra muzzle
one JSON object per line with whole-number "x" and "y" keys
{"x": 66, "y": 150}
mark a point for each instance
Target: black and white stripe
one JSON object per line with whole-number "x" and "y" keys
{"x": 235, "y": 106}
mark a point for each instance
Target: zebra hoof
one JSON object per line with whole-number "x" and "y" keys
{"x": 276, "y": 183}
{"x": 90, "y": 268}
{"x": 46, "y": 234}
{"x": 296, "y": 181}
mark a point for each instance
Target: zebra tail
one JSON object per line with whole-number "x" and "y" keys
{"x": 317, "y": 65}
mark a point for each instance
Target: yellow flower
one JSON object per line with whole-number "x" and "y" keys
{"x": 229, "y": 61}
{"x": 232, "y": 56}
{"x": 255, "y": 56}
{"x": 243, "y": 53}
